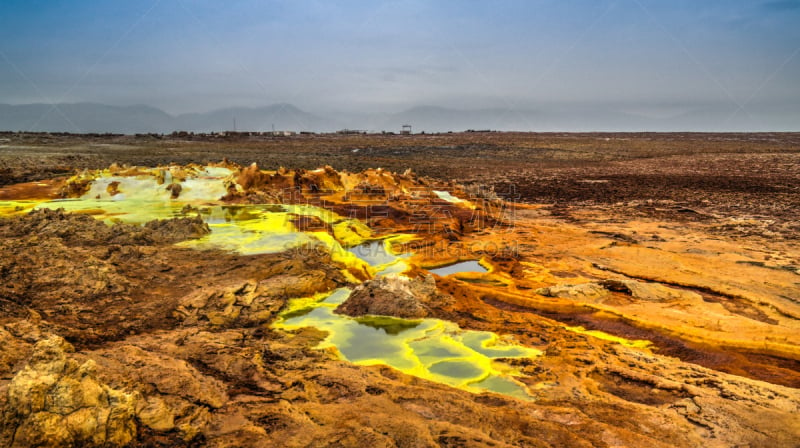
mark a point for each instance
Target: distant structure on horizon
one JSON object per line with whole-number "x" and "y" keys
{"x": 406, "y": 130}
{"x": 350, "y": 131}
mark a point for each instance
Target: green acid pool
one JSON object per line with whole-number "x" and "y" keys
{"x": 427, "y": 348}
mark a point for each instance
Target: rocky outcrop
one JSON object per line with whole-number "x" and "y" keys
{"x": 395, "y": 295}
{"x": 256, "y": 302}
{"x": 594, "y": 292}
{"x": 36, "y": 267}
{"x": 168, "y": 231}
{"x": 590, "y": 292}
{"x": 56, "y": 402}
{"x": 242, "y": 306}
{"x": 84, "y": 230}
{"x": 251, "y": 177}
{"x": 77, "y": 185}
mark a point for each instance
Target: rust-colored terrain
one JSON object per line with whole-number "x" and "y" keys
{"x": 594, "y": 243}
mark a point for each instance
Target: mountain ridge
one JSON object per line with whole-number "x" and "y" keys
{"x": 92, "y": 117}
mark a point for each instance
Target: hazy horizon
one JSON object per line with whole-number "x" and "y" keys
{"x": 643, "y": 58}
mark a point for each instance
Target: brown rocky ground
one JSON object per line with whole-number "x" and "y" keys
{"x": 113, "y": 336}
{"x": 673, "y": 176}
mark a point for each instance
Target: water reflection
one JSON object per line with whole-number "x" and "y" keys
{"x": 457, "y": 268}
{"x": 428, "y": 348}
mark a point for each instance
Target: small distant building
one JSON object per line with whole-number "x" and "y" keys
{"x": 406, "y": 129}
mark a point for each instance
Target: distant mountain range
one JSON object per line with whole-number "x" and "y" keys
{"x": 100, "y": 118}
{"x": 93, "y": 117}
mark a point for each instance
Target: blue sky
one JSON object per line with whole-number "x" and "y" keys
{"x": 652, "y": 57}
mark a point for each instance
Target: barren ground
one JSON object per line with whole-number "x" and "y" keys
{"x": 689, "y": 241}
{"x": 739, "y": 175}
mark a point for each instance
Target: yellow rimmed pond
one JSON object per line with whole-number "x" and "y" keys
{"x": 427, "y": 348}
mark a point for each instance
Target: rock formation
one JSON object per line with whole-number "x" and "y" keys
{"x": 54, "y": 401}
{"x": 395, "y": 295}
{"x": 84, "y": 230}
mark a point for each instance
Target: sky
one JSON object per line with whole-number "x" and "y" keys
{"x": 651, "y": 57}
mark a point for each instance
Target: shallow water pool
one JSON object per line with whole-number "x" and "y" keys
{"x": 428, "y": 348}
{"x": 458, "y": 268}
{"x": 380, "y": 255}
